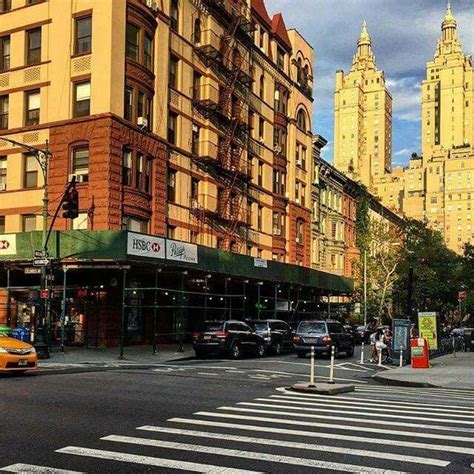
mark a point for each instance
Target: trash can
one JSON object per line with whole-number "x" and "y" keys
{"x": 40, "y": 344}
{"x": 5, "y": 330}
{"x": 22, "y": 334}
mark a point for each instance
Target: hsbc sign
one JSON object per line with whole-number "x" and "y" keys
{"x": 145, "y": 246}
{"x": 8, "y": 244}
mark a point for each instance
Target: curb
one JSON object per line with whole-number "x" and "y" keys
{"x": 404, "y": 383}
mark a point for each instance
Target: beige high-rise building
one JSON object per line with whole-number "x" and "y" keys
{"x": 438, "y": 187}
{"x": 362, "y": 117}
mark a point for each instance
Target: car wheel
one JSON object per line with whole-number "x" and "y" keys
{"x": 301, "y": 354}
{"x": 350, "y": 352}
{"x": 236, "y": 351}
{"x": 260, "y": 350}
{"x": 277, "y": 349}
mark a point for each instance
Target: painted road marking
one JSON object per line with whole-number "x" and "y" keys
{"x": 316, "y": 434}
{"x": 290, "y": 444}
{"x": 364, "y": 402}
{"x": 150, "y": 461}
{"x": 346, "y": 410}
{"x": 363, "y": 429}
{"x": 359, "y": 390}
{"x": 235, "y": 453}
{"x": 31, "y": 468}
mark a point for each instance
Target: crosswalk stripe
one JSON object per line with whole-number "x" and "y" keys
{"x": 364, "y": 402}
{"x": 387, "y": 401}
{"x": 151, "y": 461}
{"x": 316, "y": 434}
{"x": 294, "y": 445}
{"x": 347, "y": 410}
{"x": 442, "y": 393}
{"x": 31, "y": 468}
{"x": 364, "y": 429}
{"x": 354, "y": 420}
{"x": 441, "y": 390}
{"x": 274, "y": 458}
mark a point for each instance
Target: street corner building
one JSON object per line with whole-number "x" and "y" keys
{"x": 185, "y": 127}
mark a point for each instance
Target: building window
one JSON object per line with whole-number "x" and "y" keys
{"x": 260, "y": 173}
{"x": 5, "y": 5}
{"x": 28, "y": 222}
{"x": 80, "y": 163}
{"x": 148, "y": 52}
{"x": 174, "y": 15}
{"x": 280, "y": 58}
{"x": 197, "y": 31}
{"x": 171, "y": 185}
{"x": 276, "y": 223}
{"x": 128, "y": 105}
{"x": 3, "y": 112}
{"x": 33, "y": 46}
{"x": 3, "y": 173}
{"x": 172, "y": 122}
{"x": 262, "y": 87}
{"x": 80, "y": 222}
{"x": 173, "y": 72}
{"x": 299, "y": 231}
{"x": 4, "y": 53}
{"x": 30, "y": 177}
{"x": 135, "y": 225}
{"x": 142, "y": 172}
{"x": 171, "y": 231}
{"x": 195, "y": 133}
{"x": 276, "y": 181}
{"x": 132, "y": 42}
{"x": 127, "y": 167}
{"x": 301, "y": 120}
{"x": 2, "y": 224}
{"x": 82, "y": 99}
{"x": 194, "y": 190}
{"x": 261, "y": 129}
{"x": 194, "y": 237}
{"x": 259, "y": 217}
{"x": 32, "y": 101}
{"x": 83, "y": 39}
{"x": 196, "y": 85}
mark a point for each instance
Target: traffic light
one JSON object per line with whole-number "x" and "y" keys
{"x": 71, "y": 203}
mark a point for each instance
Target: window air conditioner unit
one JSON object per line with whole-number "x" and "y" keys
{"x": 277, "y": 150}
{"x": 287, "y": 195}
{"x": 72, "y": 177}
{"x": 3, "y": 186}
{"x": 276, "y": 231}
{"x": 82, "y": 178}
{"x": 299, "y": 162}
{"x": 152, "y": 4}
{"x": 297, "y": 201}
{"x": 261, "y": 140}
{"x": 142, "y": 122}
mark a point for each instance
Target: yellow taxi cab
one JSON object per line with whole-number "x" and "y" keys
{"x": 16, "y": 356}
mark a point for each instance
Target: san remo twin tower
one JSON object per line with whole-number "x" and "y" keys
{"x": 437, "y": 187}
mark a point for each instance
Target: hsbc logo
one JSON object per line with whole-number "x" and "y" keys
{"x": 145, "y": 246}
{"x": 8, "y": 244}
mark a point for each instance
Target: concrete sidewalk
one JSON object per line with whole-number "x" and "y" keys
{"x": 447, "y": 372}
{"x": 74, "y": 357}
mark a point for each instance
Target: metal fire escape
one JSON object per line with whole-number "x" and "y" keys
{"x": 227, "y": 107}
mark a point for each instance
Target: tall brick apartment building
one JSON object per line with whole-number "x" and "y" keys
{"x": 187, "y": 124}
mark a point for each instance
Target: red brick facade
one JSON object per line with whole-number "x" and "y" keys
{"x": 300, "y": 252}
{"x": 104, "y": 196}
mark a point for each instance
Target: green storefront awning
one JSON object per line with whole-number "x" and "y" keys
{"x": 112, "y": 245}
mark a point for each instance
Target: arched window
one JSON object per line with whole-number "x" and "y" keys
{"x": 299, "y": 71}
{"x": 262, "y": 87}
{"x": 301, "y": 120}
{"x": 276, "y": 105}
{"x": 306, "y": 74}
{"x": 197, "y": 31}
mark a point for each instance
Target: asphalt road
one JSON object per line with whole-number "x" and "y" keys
{"x": 229, "y": 416}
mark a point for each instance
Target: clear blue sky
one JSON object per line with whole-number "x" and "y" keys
{"x": 404, "y": 36}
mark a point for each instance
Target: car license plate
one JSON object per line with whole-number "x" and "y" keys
{"x": 310, "y": 340}
{"x": 207, "y": 338}
{"x": 22, "y": 363}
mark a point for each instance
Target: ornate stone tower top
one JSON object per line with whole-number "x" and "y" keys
{"x": 449, "y": 43}
{"x": 364, "y": 57}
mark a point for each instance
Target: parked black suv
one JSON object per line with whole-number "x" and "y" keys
{"x": 233, "y": 338}
{"x": 277, "y": 335}
{"x": 322, "y": 335}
